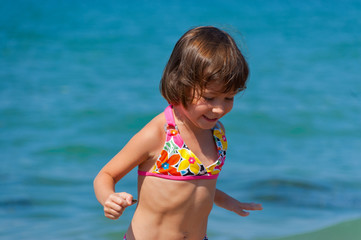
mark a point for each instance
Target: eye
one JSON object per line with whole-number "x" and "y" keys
{"x": 208, "y": 98}
{"x": 229, "y": 98}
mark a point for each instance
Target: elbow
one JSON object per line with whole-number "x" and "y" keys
{"x": 95, "y": 182}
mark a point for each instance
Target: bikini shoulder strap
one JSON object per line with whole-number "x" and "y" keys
{"x": 171, "y": 128}
{"x": 169, "y": 116}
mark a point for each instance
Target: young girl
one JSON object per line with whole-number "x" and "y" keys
{"x": 181, "y": 151}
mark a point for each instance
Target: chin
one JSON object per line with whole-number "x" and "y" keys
{"x": 208, "y": 124}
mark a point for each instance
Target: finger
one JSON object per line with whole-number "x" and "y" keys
{"x": 242, "y": 213}
{"x": 251, "y": 206}
{"x": 119, "y": 200}
{"x": 126, "y": 199}
{"x": 129, "y": 200}
{"x": 113, "y": 214}
{"x": 113, "y": 205}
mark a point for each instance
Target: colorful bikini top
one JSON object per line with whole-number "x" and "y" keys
{"x": 178, "y": 162}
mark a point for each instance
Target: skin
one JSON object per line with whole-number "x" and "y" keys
{"x": 169, "y": 209}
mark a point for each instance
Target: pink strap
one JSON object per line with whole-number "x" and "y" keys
{"x": 169, "y": 116}
{"x": 178, "y": 178}
{"x": 170, "y": 128}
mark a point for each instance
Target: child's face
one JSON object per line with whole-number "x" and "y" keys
{"x": 206, "y": 110}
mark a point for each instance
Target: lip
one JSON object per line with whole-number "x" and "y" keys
{"x": 210, "y": 119}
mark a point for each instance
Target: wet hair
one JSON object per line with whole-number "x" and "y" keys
{"x": 203, "y": 55}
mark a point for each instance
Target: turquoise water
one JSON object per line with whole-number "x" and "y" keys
{"x": 79, "y": 78}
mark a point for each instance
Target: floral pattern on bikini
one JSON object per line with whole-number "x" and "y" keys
{"x": 176, "y": 159}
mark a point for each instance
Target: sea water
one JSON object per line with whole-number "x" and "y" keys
{"x": 79, "y": 78}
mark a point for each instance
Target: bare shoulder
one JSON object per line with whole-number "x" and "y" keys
{"x": 141, "y": 147}
{"x": 155, "y": 127}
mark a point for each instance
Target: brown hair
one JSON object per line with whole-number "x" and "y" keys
{"x": 203, "y": 55}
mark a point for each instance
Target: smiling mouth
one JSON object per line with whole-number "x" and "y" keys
{"x": 210, "y": 119}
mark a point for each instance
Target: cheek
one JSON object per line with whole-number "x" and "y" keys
{"x": 195, "y": 109}
{"x": 229, "y": 107}
{"x": 201, "y": 106}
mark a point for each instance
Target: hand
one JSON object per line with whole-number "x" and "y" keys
{"x": 239, "y": 208}
{"x": 116, "y": 203}
{"x": 227, "y": 202}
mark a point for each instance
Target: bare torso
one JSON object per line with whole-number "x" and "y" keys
{"x": 169, "y": 209}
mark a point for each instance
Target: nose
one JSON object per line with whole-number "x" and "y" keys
{"x": 219, "y": 109}
{"x": 222, "y": 107}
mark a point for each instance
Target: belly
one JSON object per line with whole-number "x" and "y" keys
{"x": 178, "y": 208}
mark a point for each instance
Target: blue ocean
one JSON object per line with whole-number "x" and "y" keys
{"x": 79, "y": 78}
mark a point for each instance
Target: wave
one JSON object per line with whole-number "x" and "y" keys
{"x": 349, "y": 230}
{"x": 302, "y": 193}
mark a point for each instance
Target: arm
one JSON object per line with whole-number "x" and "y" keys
{"x": 136, "y": 151}
{"x": 225, "y": 201}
